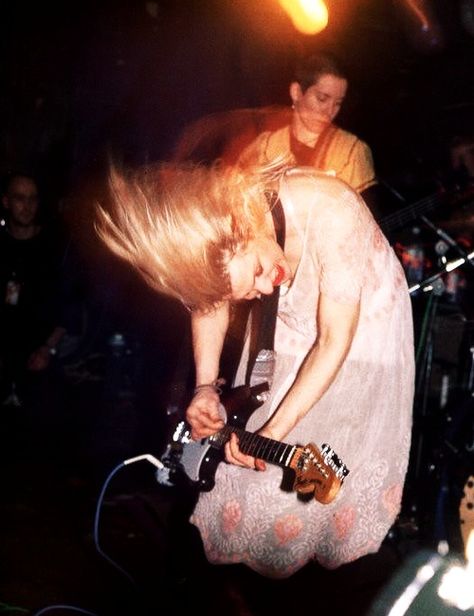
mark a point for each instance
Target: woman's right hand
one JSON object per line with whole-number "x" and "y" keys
{"x": 203, "y": 414}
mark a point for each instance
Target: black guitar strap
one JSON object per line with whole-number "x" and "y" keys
{"x": 264, "y": 310}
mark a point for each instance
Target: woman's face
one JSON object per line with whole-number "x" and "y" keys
{"x": 257, "y": 269}
{"x": 320, "y": 103}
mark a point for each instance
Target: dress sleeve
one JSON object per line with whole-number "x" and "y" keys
{"x": 340, "y": 243}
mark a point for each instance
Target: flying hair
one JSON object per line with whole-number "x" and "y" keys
{"x": 179, "y": 225}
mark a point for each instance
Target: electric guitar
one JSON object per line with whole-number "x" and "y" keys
{"x": 312, "y": 472}
{"x": 397, "y": 220}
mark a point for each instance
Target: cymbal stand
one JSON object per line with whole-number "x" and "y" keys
{"x": 424, "y": 363}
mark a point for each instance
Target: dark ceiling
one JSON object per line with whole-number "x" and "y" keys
{"x": 83, "y": 77}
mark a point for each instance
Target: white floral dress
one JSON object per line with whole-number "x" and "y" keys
{"x": 365, "y": 415}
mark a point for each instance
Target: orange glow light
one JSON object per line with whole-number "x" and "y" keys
{"x": 308, "y": 16}
{"x": 418, "y": 11}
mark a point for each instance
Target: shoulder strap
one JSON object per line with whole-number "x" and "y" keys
{"x": 314, "y": 156}
{"x": 264, "y": 310}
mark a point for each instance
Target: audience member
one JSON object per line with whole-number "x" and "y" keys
{"x": 30, "y": 329}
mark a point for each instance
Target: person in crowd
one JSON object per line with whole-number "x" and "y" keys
{"x": 344, "y": 366}
{"x": 29, "y": 276}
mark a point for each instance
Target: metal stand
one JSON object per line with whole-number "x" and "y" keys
{"x": 432, "y": 459}
{"x": 424, "y": 365}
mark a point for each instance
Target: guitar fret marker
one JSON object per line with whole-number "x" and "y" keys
{"x": 290, "y": 455}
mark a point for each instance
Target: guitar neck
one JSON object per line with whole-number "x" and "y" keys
{"x": 255, "y": 445}
{"x": 398, "y": 219}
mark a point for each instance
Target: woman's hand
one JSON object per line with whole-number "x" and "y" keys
{"x": 203, "y": 413}
{"x": 233, "y": 455}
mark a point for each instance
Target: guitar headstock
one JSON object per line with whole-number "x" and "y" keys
{"x": 320, "y": 473}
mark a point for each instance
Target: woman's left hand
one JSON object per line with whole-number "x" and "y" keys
{"x": 233, "y": 455}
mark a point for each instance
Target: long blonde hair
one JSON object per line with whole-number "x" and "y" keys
{"x": 179, "y": 226}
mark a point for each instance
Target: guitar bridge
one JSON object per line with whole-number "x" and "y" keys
{"x": 333, "y": 460}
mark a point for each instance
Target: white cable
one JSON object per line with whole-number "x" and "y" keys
{"x": 145, "y": 456}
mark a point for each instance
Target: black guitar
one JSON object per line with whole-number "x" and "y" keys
{"x": 313, "y": 472}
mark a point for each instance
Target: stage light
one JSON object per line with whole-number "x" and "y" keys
{"x": 421, "y": 24}
{"x": 429, "y": 584}
{"x": 308, "y": 16}
{"x": 457, "y": 584}
{"x": 419, "y": 13}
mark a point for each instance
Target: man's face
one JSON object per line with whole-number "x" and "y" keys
{"x": 21, "y": 201}
{"x": 320, "y": 103}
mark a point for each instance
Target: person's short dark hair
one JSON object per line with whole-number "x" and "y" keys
{"x": 14, "y": 175}
{"x": 309, "y": 69}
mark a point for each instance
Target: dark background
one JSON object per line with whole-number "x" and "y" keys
{"x": 88, "y": 80}
{"x": 79, "y": 78}
{"x": 83, "y": 80}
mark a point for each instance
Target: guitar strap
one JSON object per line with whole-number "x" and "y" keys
{"x": 264, "y": 310}
{"x": 314, "y": 156}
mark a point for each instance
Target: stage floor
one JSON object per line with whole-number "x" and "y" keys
{"x": 50, "y": 492}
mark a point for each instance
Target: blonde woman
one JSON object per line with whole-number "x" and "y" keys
{"x": 344, "y": 366}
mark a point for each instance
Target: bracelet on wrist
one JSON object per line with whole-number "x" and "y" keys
{"x": 215, "y": 385}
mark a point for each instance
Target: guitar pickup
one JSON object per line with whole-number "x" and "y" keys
{"x": 182, "y": 433}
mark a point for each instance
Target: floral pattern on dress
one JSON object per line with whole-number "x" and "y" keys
{"x": 344, "y": 522}
{"x": 231, "y": 516}
{"x": 287, "y": 528}
{"x": 392, "y": 498}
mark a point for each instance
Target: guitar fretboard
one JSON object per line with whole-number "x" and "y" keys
{"x": 255, "y": 445}
{"x": 397, "y": 220}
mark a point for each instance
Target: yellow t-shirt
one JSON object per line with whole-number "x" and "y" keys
{"x": 341, "y": 154}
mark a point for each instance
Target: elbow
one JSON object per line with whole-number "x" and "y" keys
{"x": 337, "y": 341}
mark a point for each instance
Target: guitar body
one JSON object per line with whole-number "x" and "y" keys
{"x": 314, "y": 472}
{"x": 199, "y": 459}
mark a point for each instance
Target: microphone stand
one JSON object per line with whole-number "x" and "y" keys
{"x": 423, "y": 465}
{"x": 433, "y": 465}
{"x": 427, "y": 283}
{"x": 449, "y": 240}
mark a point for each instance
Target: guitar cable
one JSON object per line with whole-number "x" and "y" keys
{"x": 144, "y": 457}
{"x": 147, "y": 457}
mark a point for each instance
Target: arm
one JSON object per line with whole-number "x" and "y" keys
{"x": 337, "y": 324}
{"x": 338, "y": 233}
{"x": 208, "y": 333}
